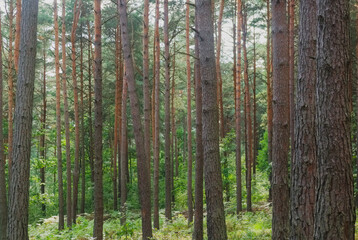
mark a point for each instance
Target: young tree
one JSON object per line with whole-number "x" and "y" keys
{"x": 188, "y": 76}
{"x": 212, "y": 169}
{"x": 98, "y": 162}
{"x": 168, "y": 182}
{"x": 304, "y": 163}
{"x": 67, "y": 120}
{"x": 3, "y": 200}
{"x": 76, "y": 173}
{"x": 20, "y": 182}
{"x": 61, "y": 223}
{"x": 281, "y": 131}
{"x": 143, "y": 173}
{"x": 334, "y": 208}
{"x": 238, "y": 110}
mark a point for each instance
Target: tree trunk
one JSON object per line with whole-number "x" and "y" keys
{"x": 90, "y": 132}
{"x": 10, "y": 88}
{"x": 281, "y": 131}
{"x": 83, "y": 157}
{"x": 124, "y": 153}
{"x": 67, "y": 121}
{"x": 168, "y": 190}
{"x": 303, "y": 173}
{"x": 238, "y": 110}
{"x": 188, "y": 74}
{"x": 199, "y": 163}
{"x": 43, "y": 135}
{"x": 98, "y": 119}
{"x": 76, "y": 173}
{"x": 17, "y": 34}
{"x": 255, "y": 131}
{"x": 156, "y": 117}
{"x": 291, "y": 45}
{"x": 3, "y": 200}
{"x": 218, "y": 70}
{"x": 213, "y": 182}
{"x": 146, "y": 94}
{"x": 247, "y": 118}
{"x": 143, "y": 173}
{"x": 61, "y": 223}
{"x": 334, "y": 212}
{"x": 20, "y": 182}
{"x": 356, "y": 200}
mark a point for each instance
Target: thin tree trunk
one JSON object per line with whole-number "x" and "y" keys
{"x": 174, "y": 130}
{"x": 238, "y": 110}
{"x": 121, "y": 69}
{"x": 98, "y": 162}
{"x": 124, "y": 153}
{"x": 216, "y": 227}
{"x": 17, "y": 35}
{"x": 303, "y": 175}
{"x": 10, "y": 87}
{"x": 3, "y": 200}
{"x": 76, "y": 173}
{"x": 199, "y": 163}
{"x": 168, "y": 184}
{"x": 43, "y": 135}
{"x": 247, "y": 117}
{"x": 156, "y": 116}
{"x": 334, "y": 212}
{"x": 61, "y": 223}
{"x": 83, "y": 157}
{"x": 143, "y": 173}
{"x": 188, "y": 76}
{"x": 67, "y": 120}
{"x": 20, "y": 182}
{"x": 146, "y": 94}
{"x": 90, "y": 132}
{"x": 218, "y": 70}
{"x": 255, "y": 131}
{"x": 281, "y": 118}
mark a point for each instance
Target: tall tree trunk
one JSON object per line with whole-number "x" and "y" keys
{"x": 188, "y": 74}
{"x": 212, "y": 170}
{"x": 291, "y": 50}
{"x": 3, "y": 200}
{"x": 303, "y": 175}
{"x": 76, "y": 173}
{"x": 334, "y": 212}
{"x": 67, "y": 120}
{"x": 356, "y": 200}
{"x": 255, "y": 131}
{"x": 174, "y": 130}
{"x": 199, "y": 163}
{"x": 83, "y": 157}
{"x": 156, "y": 117}
{"x": 10, "y": 87}
{"x": 61, "y": 223}
{"x": 168, "y": 184}
{"x": 20, "y": 182}
{"x": 17, "y": 35}
{"x": 238, "y": 110}
{"x": 269, "y": 93}
{"x": 90, "y": 132}
{"x": 146, "y": 94}
{"x": 43, "y": 135}
{"x": 98, "y": 119}
{"x": 281, "y": 131}
{"x": 247, "y": 117}
{"x": 143, "y": 173}
{"x": 218, "y": 70}
{"x": 124, "y": 152}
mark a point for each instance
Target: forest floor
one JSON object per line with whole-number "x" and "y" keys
{"x": 249, "y": 225}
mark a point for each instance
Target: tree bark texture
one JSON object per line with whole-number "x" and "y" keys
{"x": 303, "y": 169}
{"x": 124, "y": 152}
{"x": 10, "y": 83}
{"x": 212, "y": 170}
{"x": 17, "y": 34}
{"x": 281, "y": 131}
{"x": 334, "y": 208}
{"x": 20, "y": 182}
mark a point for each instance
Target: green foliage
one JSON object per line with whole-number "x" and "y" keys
{"x": 262, "y": 158}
